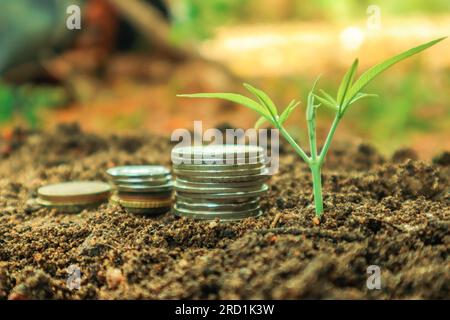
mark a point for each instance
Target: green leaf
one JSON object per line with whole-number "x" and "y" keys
{"x": 233, "y": 97}
{"x": 310, "y": 107}
{"x": 326, "y": 102}
{"x": 260, "y": 122}
{"x": 287, "y": 112}
{"x": 362, "y": 95}
{"x": 370, "y": 74}
{"x": 264, "y": 99}
{"x": 329, "y": 98}
{"x": 346, "y": 83}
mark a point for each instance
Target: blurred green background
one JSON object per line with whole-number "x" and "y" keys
{"x": 197, "y": 19}
{"x": 279, "y": 45}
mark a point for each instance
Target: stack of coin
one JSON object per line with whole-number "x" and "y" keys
{"x": 219, "y": 181}
{"x": 142, "y": 189}
{"x": 73, "y": 196}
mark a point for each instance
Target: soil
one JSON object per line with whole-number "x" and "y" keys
{"x": 393, "y": 213}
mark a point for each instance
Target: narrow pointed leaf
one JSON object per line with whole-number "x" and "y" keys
{"x": 310, "y": 107}
{"x": 346, "y": 82}
{"x": 263, "y": 98}
{"x": 362, "y": 95}
{"x": 370, "y": 74}
{"x": 260, "y": 122}
{"x": 236, "y": 98}
{"x": 329, "y": 98}
{"x": 287, "y": 112}
{"x": 326, "y": 102}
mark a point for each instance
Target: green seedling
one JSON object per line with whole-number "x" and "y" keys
{"x": 349, "y": 92}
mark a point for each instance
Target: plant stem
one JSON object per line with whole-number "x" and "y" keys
{"x": 317, "y": 188}
{"x": 314, "y": 164}
{"x": 312, "y": 136}
{"x": 294, "y": 144}
{"x": 330, "y": 136}
{"x": 315, "y": 167}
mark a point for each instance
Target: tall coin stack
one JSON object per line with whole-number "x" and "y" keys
{"x": 142, "y": 189}
{"x": 219, "y": 181}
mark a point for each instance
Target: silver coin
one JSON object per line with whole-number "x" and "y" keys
{"x": 238, "y": 184}
{"x": 223, "y": 216}
{"x": 219, "y": 167}
{"x": 144, "y": 182}
{"x": 239, "y": 194}
{"x": 222, "y": 179}
{"x": 188, "y": 199}
{"x": 215, "y": 150}
{"x": 144, "y": 189}
{"x": 228, "y": 160}
{"x": 222, "y": 173}
{"x": 138, "y": 171}
{"x": 214, "y": 206}
{"x": 221, "y": 189}
{"x": 219, "y": 149}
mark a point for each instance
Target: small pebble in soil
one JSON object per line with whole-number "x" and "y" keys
{"x": 31, "y": 206}
{"x": 114, "y": 278}
{"x": 316, "y": 221}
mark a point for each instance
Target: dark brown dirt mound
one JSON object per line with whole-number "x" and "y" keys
{"x": 391, "y": 214}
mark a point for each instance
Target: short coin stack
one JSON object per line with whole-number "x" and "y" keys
{"x": 73, "y": 196}
{"x": 142, "y": 189}
{"x": 219, "y": 181}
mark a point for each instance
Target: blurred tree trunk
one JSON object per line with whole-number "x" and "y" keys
{"x": 152, "y": 25}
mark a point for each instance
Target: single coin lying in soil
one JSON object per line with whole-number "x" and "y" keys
{"x": 73, "y": 196}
